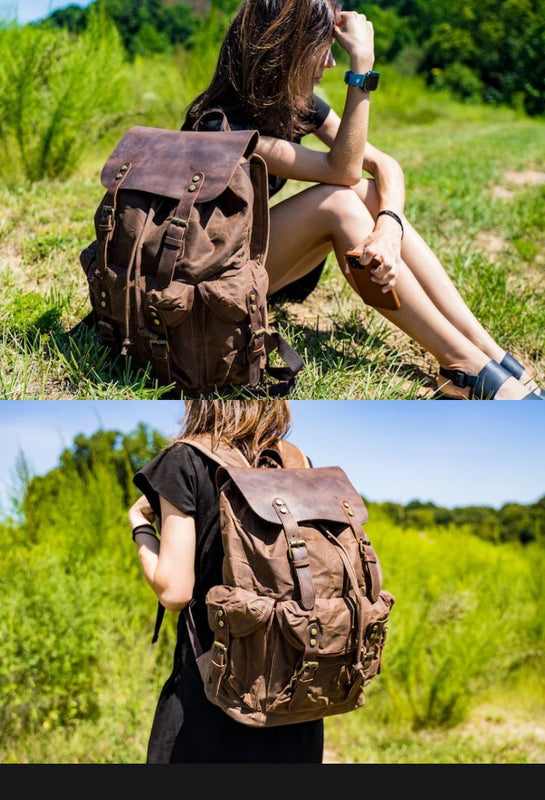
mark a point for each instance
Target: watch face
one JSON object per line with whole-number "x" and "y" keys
{"x": 371, "y": 81}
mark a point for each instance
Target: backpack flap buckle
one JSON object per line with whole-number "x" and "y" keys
{"x": 257, "y": 334}
{"x": 307, "y": 671}
{"x": 292, "y": 544}
{"x": 222, "y": 651}
{"x": 107, "y": 218}
{"x": 159, "y": 347}
{"x": 107, "y": 331}
{"x": 159, "y": 350}
{"x": 218, "y": 665}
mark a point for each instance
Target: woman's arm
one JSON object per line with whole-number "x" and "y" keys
{"x": 168, "y": 566}
{"x": 342, "y": 163}
{"x": 387, "y": 173}
{"x": 384, "y": 242}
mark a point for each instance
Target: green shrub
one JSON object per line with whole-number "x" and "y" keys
{"x": 58, "y": 93}
{"x": 50, "y": 644}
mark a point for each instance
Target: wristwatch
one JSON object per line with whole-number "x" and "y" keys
{"x": 368, "y": 81}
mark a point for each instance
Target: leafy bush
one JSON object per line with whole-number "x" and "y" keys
{"x": 58, "y": 94}
{"x": 50, "y": 643}
{"x": 468, "y": 614}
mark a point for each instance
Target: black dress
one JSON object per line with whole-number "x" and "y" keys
{"x": 187, "y": 727}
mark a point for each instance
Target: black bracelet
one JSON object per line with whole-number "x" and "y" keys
{"x": 144, "y": 529}
{"x": 394, "y": 216}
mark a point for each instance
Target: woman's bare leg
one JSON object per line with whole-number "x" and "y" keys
{"x": 308, "y": 225}
{"x": 433, "y": 278}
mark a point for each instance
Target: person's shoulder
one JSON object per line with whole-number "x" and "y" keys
{"x": 173, "y": 454}
{"x": 320, "y": 109}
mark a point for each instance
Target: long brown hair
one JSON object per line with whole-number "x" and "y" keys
{"x": 250, "y": 425}
{"x": 268, "y": 60}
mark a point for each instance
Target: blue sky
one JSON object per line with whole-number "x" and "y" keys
{"x": 30, "y": 10}
{"x": 450, "y": 453}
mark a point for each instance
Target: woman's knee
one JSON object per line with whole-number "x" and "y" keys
{"x": 342, "y": 203}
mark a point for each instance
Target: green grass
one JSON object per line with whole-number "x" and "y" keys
{"x": 474, "y": 190}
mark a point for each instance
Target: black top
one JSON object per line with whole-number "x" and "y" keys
{"x": 187, "y": 727}
{"x": 239, "y": 121}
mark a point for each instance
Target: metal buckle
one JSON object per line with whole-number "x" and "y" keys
{"x": 307, "y": 665}
{"x": 374, "y": 633}
{"x": 363, "y": 543}
{"x": 255, "y": 334}
{"x": 159, "y": 348}
{"x": 370, "y": 655}
{"x": 296, "y": 543}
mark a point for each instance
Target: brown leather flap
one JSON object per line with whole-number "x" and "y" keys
{"x": 310, "y": 494}
{"x": 163, "y": 162}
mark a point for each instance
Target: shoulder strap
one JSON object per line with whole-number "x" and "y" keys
{"x": 292, "y": 457}
{"x": 222, "y": 453}
{"x": 224, "y": 456}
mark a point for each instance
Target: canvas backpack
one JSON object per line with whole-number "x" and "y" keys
{"x": 176, "y": 274}
{"x": 299, "y": 622}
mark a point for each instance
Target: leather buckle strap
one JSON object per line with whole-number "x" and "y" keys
{"x": 297, "y": 553}
{"x": 107, "y": 331}
{"x": 174, "y": 241}
{"x": 160, "y": 359}
{"x": 296, "y": 543}
{"x": 256, "y": 343}
{"x": 307, "y": 671}
{"x": 482, "y": 386}
{"x": 106, "y": 223}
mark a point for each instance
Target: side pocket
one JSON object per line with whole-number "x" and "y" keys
{"x": 375, "y": 630}
{"x": 239, "y": 620}
{"x": 88, "y": 256}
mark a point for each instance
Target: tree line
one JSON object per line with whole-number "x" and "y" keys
{"x": 121, "y": 455}
{"x": 481, "y": 50}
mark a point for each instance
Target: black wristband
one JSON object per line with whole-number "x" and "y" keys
{"x": 394, "y": 216}
{"x": 144, "y": 529}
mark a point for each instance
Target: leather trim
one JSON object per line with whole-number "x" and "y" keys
{"x": 310, "y": 494}
{"x": 163, "y": 162}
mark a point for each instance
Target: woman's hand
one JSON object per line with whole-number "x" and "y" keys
{"x": 141, "y": 513}
{"x": 355, "y": 34}
{"x": 384, "y": 245}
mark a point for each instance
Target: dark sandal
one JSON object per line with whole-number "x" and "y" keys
{"x": 485, "y": 385}
{"x": 513, "y": 366}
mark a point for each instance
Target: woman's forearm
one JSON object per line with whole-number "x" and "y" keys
{"x": 389, "y": 180}
{"x": 148, "y": 553}
{"x": 345, "y": 155}
{"x": 355, "y": 35}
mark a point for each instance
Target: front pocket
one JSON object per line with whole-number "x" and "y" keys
{"x": 228, "y": 295}
{"x": 170, "y": 305}
{"x": 333, "y": 619}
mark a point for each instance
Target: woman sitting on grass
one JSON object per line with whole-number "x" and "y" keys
{"x": 273, "y": 54}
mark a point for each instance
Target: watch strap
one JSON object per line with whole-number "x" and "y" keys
{"x": 368, "y": 81}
